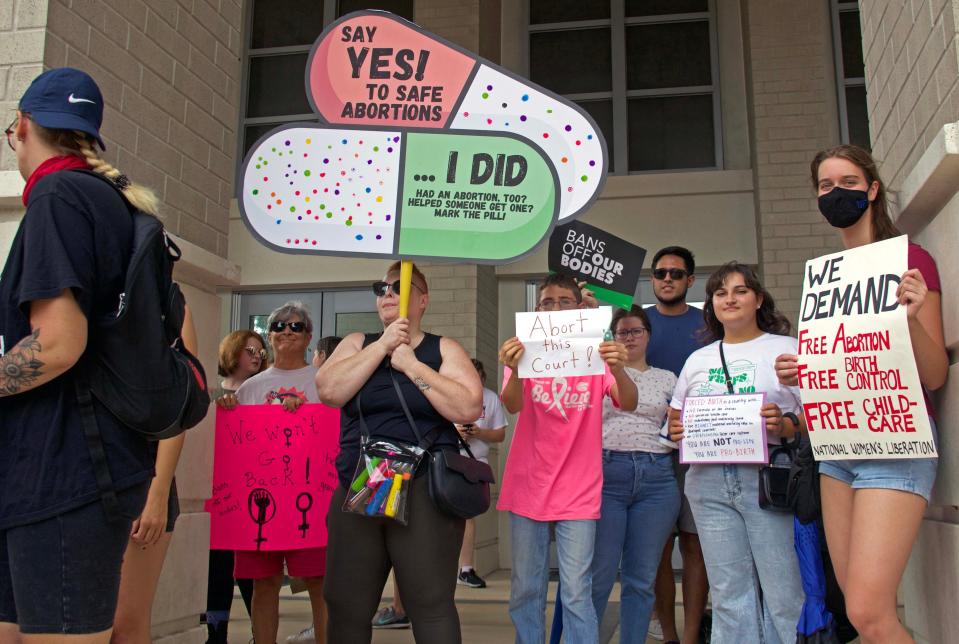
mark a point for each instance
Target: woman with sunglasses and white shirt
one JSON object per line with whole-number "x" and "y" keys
{"x": 290, "y": 382}
{"x": 640, "y": 497}
{"x": 440, "y": 387}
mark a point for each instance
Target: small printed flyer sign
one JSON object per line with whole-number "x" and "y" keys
{"x": 724, "y": 429}
{"x": 860, "y": 386}
{"x": 562, "y": 343}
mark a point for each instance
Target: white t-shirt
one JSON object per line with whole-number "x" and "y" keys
{"x": 751, "y": 367}
{"x": 272, "y": 385}
{"x": 494, "y": 417}
{"x": 638, "y": 431}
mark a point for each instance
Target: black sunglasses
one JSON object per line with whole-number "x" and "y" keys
{"x": 675, "y": 273}
{"x": 380, "y": 288}
{"x": 295, "y": 327}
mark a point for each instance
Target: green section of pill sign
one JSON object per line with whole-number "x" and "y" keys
{"x": 474, "y": 196}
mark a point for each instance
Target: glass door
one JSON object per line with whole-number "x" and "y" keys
{"x": 334, "y": 312}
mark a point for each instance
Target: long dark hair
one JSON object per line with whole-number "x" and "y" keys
{"x": 882, "y": 226}
{"x": 768, "y": 318}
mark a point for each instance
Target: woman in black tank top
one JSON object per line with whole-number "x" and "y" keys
{"x": 441, "y": 387}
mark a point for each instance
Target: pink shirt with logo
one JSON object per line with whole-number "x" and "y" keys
{"x": 554, "y": 470}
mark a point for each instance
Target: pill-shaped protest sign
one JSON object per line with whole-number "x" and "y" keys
{"x": 398, "y": 193}
{"x": 421, "y": 150}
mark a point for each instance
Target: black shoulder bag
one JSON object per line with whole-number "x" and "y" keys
{"x": 774, "y": 477}
{"x": 459, "y": 485}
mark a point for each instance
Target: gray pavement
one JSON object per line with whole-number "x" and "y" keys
{"x": 484, "y": 615}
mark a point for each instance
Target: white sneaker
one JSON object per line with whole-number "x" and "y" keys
{"x": 306, "y": 636}
{"x": 655, "y": 629}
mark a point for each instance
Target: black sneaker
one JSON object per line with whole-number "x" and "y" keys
{"x": 471, "y": 579}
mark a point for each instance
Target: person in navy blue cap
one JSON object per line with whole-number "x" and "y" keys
{"x": 60, "y": 551}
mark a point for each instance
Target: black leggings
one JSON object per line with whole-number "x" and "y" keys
{"x": 424, "y": 556}
{"x": 219, "y": 597}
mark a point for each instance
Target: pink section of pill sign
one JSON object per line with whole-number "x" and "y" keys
{"x": 379, "y": 70}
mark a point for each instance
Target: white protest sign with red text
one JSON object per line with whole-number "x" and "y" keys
{"x": 562, "y": 343}
{"x": 860, "y": 387}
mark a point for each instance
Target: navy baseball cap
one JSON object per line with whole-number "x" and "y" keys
{"x": 65, "y": 99}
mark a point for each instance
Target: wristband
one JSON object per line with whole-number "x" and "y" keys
{"x": 793, "y": 418}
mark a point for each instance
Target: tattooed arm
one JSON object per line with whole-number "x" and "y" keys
{"x": 58, "y": 339}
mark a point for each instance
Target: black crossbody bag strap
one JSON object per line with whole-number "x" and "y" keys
{"x": 729, "y": 380}
{"x": 409, "y": 417}
{"x": 91, "y": 433}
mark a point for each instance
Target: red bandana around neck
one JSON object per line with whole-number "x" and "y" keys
{"x": 51, "y": 165}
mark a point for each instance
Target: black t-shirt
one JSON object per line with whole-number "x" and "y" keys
{"x": 384, "y": 414}
{"x": 76, "y": 234}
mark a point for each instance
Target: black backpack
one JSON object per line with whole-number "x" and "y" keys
{"x": 135, "y": 364}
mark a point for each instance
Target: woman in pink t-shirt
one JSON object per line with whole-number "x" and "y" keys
{"x": 876, "y": 504}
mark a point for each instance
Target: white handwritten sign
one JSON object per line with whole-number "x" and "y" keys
{"x": 724, "y": 429}
{"x": 562, "y": 343}
{"x": 859, "y": 384}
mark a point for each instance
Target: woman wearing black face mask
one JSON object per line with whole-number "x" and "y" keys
{"x": 872, "y": 509}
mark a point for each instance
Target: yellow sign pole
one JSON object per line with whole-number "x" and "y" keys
{"x": 406, "y": 278}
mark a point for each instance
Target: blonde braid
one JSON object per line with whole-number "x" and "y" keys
{"x": 141, "y": 197}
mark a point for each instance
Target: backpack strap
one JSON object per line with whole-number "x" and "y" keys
{"x": 91, "y": 432}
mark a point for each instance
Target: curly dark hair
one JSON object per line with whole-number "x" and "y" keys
{"x": 768, "y": 318}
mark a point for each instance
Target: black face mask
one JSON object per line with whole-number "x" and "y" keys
{"x": 843, "y": 207}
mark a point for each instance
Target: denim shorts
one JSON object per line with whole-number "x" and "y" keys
{"x": 62, "y": 575}
{"x": 915, "y": 475}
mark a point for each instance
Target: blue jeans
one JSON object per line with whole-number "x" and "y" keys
{"x": 640, "y": 505}
{"x": 530, "y": 577}
{"x": 750, "y": 557}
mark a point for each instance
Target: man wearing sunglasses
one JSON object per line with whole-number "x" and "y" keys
{"x": 290, "y": 382}
{"x": 677, "y": 335}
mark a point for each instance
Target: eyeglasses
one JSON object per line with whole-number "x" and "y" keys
{"x": 9, "y": 133}
{"x": 675, "y": 273}
{"x": 626, "y": 334}
{"x": 562, "y": 304}
{"x": 295, "y": 327}
{"x": 256, "y": 353}
{"x": 380, "y": 288}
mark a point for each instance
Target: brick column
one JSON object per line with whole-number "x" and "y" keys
{"x": 793, "y": 93}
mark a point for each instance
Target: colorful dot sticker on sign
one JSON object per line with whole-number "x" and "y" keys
{"x": 424, "y": 151}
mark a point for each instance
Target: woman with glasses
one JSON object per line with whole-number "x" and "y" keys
{"x": 440, "y": 387}
{"x": 288, "y": 382}
{"x": 242, "y": 355}
{"x": 750, "y": 559}
{"x": 640, "y": 496}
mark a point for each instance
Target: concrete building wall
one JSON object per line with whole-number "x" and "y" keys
{"x": 793, "y": 101}
{"x": 170, "y": 76}
{"x": 22, "y": 28}
{"x": 911, "y": 78}
{"x": 912, "y": 81}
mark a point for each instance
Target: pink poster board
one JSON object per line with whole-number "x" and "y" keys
{"x": 273, "y": 476}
